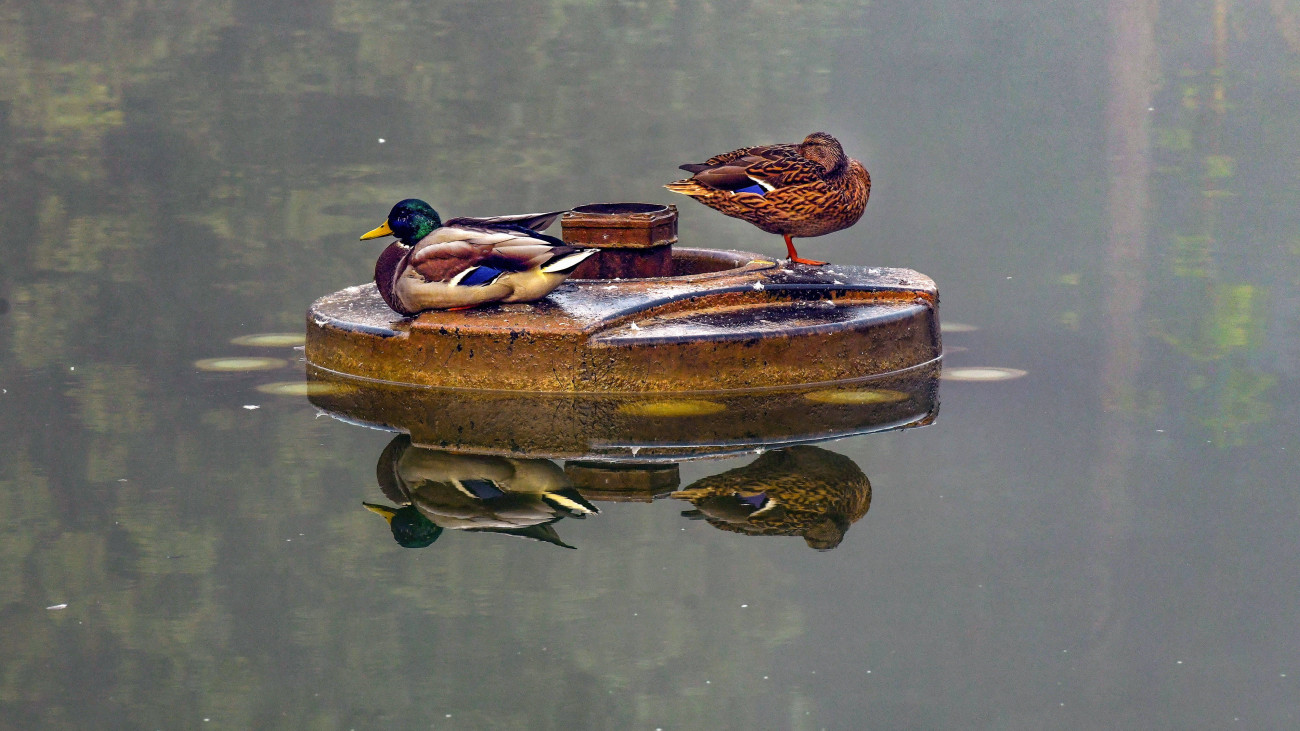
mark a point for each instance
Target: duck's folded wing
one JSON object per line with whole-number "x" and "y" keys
{"x": 534, "y": 221}
{"x": 787, "y": 171}
{"x": 448, "y": 251}
{"x": 542, "y": 532}
{"x": 522, "y": 256}
{"x": 763, "y": 151}
{"x": 763, "y": 170}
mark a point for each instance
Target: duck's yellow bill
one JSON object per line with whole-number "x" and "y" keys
{"x": 388, "y": 513}
{"x": 375, "y": 233}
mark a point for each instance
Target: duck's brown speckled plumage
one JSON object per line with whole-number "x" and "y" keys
{"x": 808, "y": 189}
{"x": 803, "y": 490}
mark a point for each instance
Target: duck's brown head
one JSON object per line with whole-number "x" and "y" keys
{"x": 823, "y": 149}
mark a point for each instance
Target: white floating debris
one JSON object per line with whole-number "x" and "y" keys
{"x": 239, "y": 364}
{"x": 981, "y": 373}
{"x": 57, "y": 606}
{"x": 250, "y": 407}
{"x": 382, "y": 141}
{"x": 269, "y": 340}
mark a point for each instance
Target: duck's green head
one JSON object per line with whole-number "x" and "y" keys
{"x": 410, "y": 220}
{"x": 409, "y": 526}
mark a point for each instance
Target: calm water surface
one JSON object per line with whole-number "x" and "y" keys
{"x": 1108, "y": 194}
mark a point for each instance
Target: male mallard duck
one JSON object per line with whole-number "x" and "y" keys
{"x": 808, "y": 189}
{"x": 468, "y": 261}
{"x": 437, "y": 490}
{"x": 806, "y": 491}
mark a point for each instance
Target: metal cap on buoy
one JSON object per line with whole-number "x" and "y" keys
{"x": 635, "y": 239}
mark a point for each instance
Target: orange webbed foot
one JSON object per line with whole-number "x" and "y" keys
{"x": 794, "y": 255}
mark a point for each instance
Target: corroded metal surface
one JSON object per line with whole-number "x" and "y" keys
{"x": 635, "y": 239}
{"x": 644, "y": 427}
{"x": 624, "y": 225}
{"x": 734, "y": 321}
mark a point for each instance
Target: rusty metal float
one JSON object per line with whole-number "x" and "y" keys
{"x": 644, "y": 317}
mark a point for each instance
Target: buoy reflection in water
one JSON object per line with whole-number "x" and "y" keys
{"x": 672, "y": 407}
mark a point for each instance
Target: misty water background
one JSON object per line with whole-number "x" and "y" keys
{"x": 1109, "y": 193}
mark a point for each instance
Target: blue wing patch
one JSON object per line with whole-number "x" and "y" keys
{"x": 480, "y": 275}
{"x": 482, "y": 489}
{"x": 756, "y": 189}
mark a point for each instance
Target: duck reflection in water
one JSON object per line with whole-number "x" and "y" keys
{"x": 437, "y": 490}
{"x": 804, "y": 491}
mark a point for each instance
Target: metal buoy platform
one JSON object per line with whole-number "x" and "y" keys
{"x": 703, "y": 320}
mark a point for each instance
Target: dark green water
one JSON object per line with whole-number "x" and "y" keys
{"x": 1108, "y": 193}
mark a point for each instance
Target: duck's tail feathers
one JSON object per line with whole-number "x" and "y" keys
{"x": 570, "y": 502}
{"x": 566, "y": 263}
{"x": 689, "y": 186}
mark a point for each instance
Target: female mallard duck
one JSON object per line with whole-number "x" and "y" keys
{"x": 808, "y": 189}
{"x": 806, "y": 491}
{"x": 468, "y": 261}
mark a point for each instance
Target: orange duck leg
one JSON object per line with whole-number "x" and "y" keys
{"x": 794, "y": 255}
